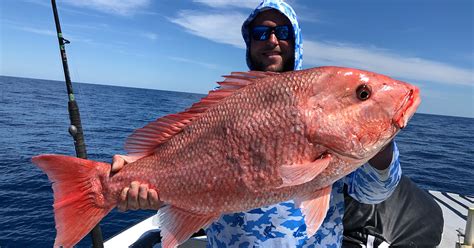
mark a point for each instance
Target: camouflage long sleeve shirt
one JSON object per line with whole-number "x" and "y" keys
{"x": 282, "y": 225}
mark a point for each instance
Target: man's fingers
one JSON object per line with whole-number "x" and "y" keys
{"x": 138, "y": 196}
{"x": 122, "y": 204}
{"x": 143, "y": 196}
{"x": 153, "y": 199}
{"x": 117, "y": 163}
{"x": 129, "y": 159}
{"x": 133, "y": 196}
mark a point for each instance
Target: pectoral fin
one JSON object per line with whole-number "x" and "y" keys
{"x": 314, "y": 207}
{"x": 296, "y": 174}
{"x": 177, "y": 225}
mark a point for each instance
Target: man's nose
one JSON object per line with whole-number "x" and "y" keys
{"x": 273, "y": 39}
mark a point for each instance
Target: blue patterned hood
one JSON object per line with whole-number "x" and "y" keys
{"x": 286, "y": 10}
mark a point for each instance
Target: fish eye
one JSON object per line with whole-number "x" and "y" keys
{"x": 363, "y": 92}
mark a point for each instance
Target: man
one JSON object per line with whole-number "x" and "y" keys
{"x": 274, "y": 43}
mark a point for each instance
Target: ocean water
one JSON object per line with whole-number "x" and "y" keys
{"x": 437, "y": 152}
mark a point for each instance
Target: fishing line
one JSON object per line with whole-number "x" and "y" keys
{"x": 80, "y": 95}
{"x": 75, "y": 128}
{"x": 80, "y": 92}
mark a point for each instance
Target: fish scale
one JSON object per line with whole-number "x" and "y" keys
{"x": 262, "y": 138}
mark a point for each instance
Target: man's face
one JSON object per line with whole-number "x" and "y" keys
{"x": 272, "y": 54}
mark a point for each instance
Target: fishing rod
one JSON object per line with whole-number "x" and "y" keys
{"x": 76, "y": 127}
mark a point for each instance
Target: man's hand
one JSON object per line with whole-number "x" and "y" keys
{"x": 382, "y": 160}
{"x": 137, "y": 196}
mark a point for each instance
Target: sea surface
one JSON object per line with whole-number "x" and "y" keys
{"x": 437, "y": 152}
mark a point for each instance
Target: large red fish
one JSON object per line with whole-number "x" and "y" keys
{"x": 262, "y": 138}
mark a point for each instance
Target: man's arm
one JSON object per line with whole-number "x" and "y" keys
{"x": 375, "y": 181}
{"x": 383, "y": 159}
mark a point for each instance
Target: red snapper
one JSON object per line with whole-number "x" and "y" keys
{"x": 262, "y": 138}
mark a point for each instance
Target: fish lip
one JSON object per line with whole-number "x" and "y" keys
{"x": 407, "y": 109}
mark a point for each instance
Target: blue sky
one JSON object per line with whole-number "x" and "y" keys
{"x": 187, "y": 45}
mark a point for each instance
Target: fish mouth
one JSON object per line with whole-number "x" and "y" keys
{"x": 408, "y": 108}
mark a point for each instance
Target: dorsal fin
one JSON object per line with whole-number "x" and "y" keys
{"x": 240, "y": 79}
{"x": 145, "y": 140}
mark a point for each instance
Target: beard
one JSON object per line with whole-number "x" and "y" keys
{"x": 287, "y": 65}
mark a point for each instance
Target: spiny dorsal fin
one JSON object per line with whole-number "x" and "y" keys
{"x": 145, "y": 140}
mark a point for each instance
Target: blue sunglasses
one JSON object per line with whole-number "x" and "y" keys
{"x": 262, "y": 33}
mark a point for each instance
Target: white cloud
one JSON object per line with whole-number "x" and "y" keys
{"x": 38, "y": 31}
{"x": 185, "y": 60}
{"x": 305, "y": 14}
{"x": 39, "y": 2}
{"x": 119, "y": 7}
{"x": 249, "y": 4}
{"x": 87, "y": 26}
{"x": 216, "y": 27}
{"x": 149, "y": 35}
{"x": 225, "y": 29}
{"x": 49, "y": 32}
{"x": 327, "y": 53}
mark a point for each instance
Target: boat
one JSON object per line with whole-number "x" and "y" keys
{"x": 458, "y": 213}
{"x": 458, "y": 229}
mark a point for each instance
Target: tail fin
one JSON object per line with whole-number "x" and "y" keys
{"x": 79, "y": 203}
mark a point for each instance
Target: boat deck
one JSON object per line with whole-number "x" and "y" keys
{"x": 455, "y": 210}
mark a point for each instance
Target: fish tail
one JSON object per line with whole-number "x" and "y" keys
{"x": 79, "y": 202}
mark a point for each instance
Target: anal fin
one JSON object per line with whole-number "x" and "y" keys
{"x": 314, "y": 207}
{"x": 177, "y": 225}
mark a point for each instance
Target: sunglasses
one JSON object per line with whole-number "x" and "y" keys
{"x": 262, "y": 33}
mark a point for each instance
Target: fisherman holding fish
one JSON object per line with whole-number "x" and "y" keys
{"x": 259, "y": 162}
{"x": 274, "y": 43}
